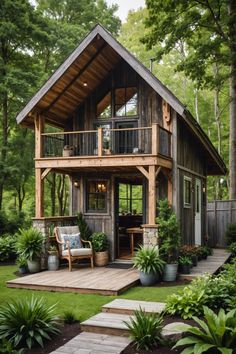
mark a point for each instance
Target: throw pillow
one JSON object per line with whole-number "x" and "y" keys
{"x": 74, "y": 241}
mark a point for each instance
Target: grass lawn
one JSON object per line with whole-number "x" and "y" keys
{"x": 83, "y": 306}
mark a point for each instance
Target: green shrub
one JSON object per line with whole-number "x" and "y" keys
{"x": 7, "y": 248}
{"x": 147, "y": 260}
{"x": 11, "y": 223}
{"x": 217, "y": 332}
{"x": 7, "y": 348}
{"x": 69, "y": 317}
{"x": 27, "y": 323}
{"x": 185, "y": 260}
{"x": 230, "y": 233}
{"x": 21, "y": 261}
{"x": 232, "y": 249}
{"x": 99, "y": 241}
{"x": 145, "y": 329}
{"x": 29, "y": 243}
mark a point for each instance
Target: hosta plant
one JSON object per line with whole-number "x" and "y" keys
{"x": 216, "y": 334}
{"x": 147, "y": 260}
{"x": 145, "y": 329}
{"x": 28, "y": 323}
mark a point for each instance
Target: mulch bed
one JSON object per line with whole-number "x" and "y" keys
{"x": 68, "y": 331}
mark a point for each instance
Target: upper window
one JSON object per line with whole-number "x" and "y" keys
{"x": 187, "y": 191}
{"x": 104, "y": 107}
{"x": 96, "y": 196}
{"x": 126, "y": 101}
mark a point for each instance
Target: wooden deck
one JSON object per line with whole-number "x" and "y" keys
{"x": 104, "y": 281}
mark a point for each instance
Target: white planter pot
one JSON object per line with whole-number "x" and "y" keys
{"x": 53, "y": 261}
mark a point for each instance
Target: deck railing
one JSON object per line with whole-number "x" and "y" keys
{"x": 104, "y": 142}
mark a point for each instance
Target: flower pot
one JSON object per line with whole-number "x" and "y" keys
{"x": 53, "y": 261}
{"x": 148, "y": 279}
{"x": 185, "y": 268}
{"x": 194, "y": 260}
{"x": 101, "y": 259}
{"x": 170, "y": 272}
{"x": 22, "y": 270}
{"x": 33, "y": 266}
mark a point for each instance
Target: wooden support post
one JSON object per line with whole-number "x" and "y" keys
{"x": 39, "y": 193}
{"x": 152, "y": 195}
{"x": 99, "y": 141}
{"x": 170, "y": 190}
{"x": 155, "y": 139}
{"x": 39, "y": 129}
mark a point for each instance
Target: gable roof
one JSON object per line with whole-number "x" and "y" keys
{"x": 95, "y": 57}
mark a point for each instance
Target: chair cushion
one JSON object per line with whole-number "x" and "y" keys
{"x": 78, "y": 252}
{"x": 67, "y": 230}
{"x": 74, "y": 241}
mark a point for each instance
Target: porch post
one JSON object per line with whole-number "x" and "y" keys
{"x": 39, "y": 182}
{"x": 152, "y": 199}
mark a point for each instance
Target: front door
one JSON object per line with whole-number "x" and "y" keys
{"x": 125, "y": 139}
{"x": 198, "y": 211}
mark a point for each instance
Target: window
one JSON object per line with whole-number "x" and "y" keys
{"x": 96, "y": 196}
{"x": 187, "y": 191}
{"x": 104, "y": 107}
{"x": 126, "y": 101}
{"x": 130, "y": 199}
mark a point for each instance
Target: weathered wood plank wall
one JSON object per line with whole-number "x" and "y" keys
{"x": 220, "y": 213}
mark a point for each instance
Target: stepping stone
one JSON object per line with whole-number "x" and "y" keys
{"x": 93, "y": 343}
{"x": 172, "y": 332}
{"x": 128, "y": 307}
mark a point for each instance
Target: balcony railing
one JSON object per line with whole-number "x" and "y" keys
{"x": 104, "y": 142}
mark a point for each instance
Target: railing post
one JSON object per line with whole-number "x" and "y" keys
{"x": 100, "y": 142}
{"x": 155, "y": 139}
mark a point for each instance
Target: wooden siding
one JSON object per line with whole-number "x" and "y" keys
{"x": 220, "y": 213}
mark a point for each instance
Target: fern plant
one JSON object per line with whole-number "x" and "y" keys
{"x": 218, "y": 333}
{"x": 28, "y": 322}
{"x": 145, "y": 329}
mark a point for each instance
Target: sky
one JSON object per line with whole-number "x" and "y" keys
{"x": 125, "y": 6}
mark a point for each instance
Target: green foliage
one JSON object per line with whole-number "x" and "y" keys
{"x": 6, "y": 347}
{"x": 7, "y": 248}
{"x": 21, "y": 261}
{"x": 99, "y": 241}
{"x": 217, "y": 332}
{"x": 145, "y": 329}
{"x": 185, "y": 260}
{"x": 69, "y": 317}
{"x": 232, "y": 249}
{"x": 168, "y": 232}
{"x": 28, "y": 322}
{"x": 230, "y": 233}
{"x": 29, "y": 243}
{"x": 148, "y": 261}
{"x": 83, "y": 227}
{"x": 10, "y": 224}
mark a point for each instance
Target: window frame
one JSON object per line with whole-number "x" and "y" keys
{"x": 186, "y": 203}
{"x": 96, "y": 211}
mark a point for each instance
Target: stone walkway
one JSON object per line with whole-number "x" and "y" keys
{"x": 106, "y": 332}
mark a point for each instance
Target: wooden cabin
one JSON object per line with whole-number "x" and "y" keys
{"x": 125, "y": 141}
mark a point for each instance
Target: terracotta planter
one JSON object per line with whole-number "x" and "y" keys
{"x": 101, "y": 259}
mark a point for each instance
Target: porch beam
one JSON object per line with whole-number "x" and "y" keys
{"x": 152, "y": 198}
{"x": 143, "y": 171}
{"x": 45, "y": 173}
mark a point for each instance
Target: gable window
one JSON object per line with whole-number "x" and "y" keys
{"x": 187, "y": 192}
{"x": 126, "y": 101}
{"x": 104, "y": 107}
{"x": 96, "y": 196}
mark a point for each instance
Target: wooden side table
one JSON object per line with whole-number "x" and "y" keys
{"x": 132, "y": 231}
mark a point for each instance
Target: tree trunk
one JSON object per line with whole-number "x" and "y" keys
{"x": 232, "y": 125}
{"x": 53, "y": 194}
{"x": 4, "y": 144}
{"x": 196, "y": 106}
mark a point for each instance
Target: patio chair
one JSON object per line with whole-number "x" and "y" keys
{"x": 71, "y": 246}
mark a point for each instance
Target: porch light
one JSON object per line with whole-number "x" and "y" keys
{"x": 85, "y": 83}
{"x": 76, "y": 184}
{"x": 101, "y": 187}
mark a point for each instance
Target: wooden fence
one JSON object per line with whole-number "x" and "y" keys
{"x": 220, "y": 213}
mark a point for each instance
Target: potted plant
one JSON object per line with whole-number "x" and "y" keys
{"x": 100, "y": 246}
{"x": 21, "y": 262}
{"x": 185, "y": 264}
{"x": 53, "y": 259}
{"x": 190, "y": 251}
{"x": 29, "y": 245}
{"x": 149, "y": 264}
{"x": 169, "y": 239}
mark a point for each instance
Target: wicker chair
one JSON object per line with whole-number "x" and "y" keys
{"x": 71, "y": 246}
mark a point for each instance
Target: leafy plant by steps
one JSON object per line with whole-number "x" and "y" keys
{"x": 217, "y": 333}
{"x": 145, "y": 329}
{"x": 148, "y": 261}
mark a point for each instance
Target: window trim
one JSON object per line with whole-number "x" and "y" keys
{"x": 187, "y": 205}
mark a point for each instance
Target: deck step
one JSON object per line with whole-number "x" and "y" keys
{"x": 93, "y": 343}
{"x": 127, "y": 307}
{"x": 113, "y": 324}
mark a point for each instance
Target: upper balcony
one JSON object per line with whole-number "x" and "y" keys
{"x": 106, "y": 147}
